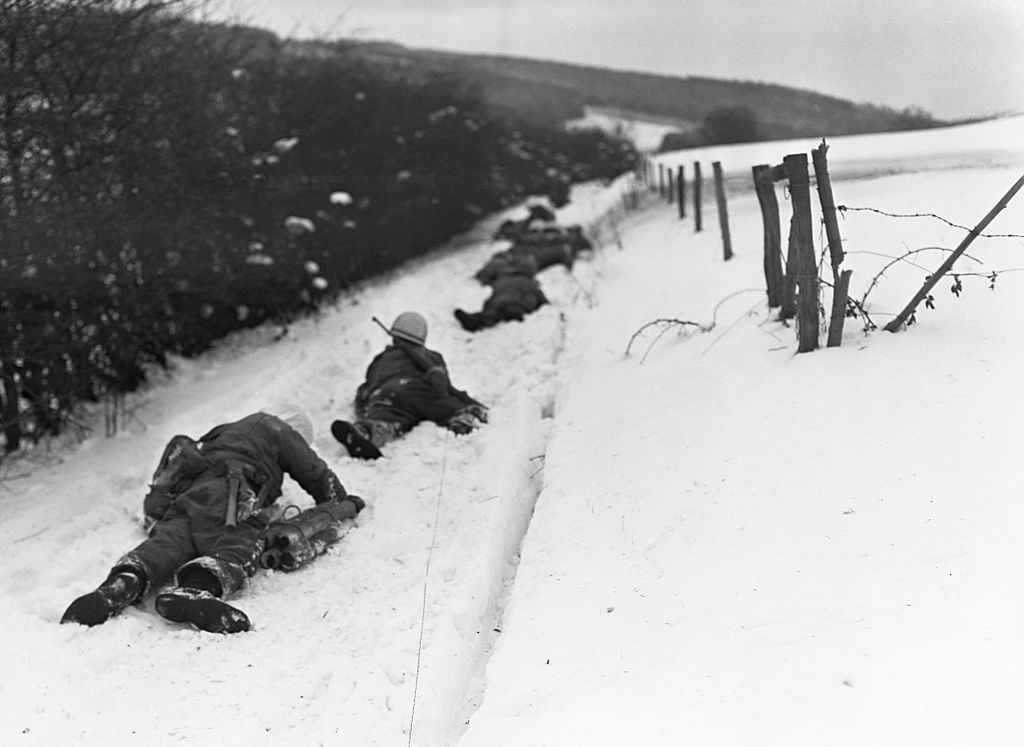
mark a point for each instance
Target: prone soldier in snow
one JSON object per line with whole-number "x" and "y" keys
{"x": 507, "y": 262}
{"x": 571, "y": 236}
{"x": 578, "y": 242}
{"x": 512, "y": 229}
{"x": 513, "y": 296}
{"x": 546, "y": 254}
{"x": 205, "y": 515}
{"x": 550, "y": 245}
{"x": 406, "y": 384}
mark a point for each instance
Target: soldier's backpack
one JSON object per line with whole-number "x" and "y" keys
{"x": 180, "y": 464}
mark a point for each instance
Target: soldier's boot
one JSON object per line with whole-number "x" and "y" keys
{"x": 355, "y": 440}
{"x": 568, "y": 259}
{"x": 202, "y": 609}
{"x": 469, "y": 322}
{"x": 197, "y": 601}
{"x": 113, "y": 595}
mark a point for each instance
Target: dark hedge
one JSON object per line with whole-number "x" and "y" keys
{"x": 165, "y": 182}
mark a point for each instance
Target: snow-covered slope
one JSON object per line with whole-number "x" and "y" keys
{"x": 725, "y": 543}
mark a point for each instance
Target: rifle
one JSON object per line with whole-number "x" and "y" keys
{"x": 383, "y": 326}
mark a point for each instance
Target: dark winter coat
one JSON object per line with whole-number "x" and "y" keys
{"x": 554, "y": 235}
{"x": 263, "y": 448}
{"x": 514, "y": 296}
{"x": 507, "y": 262}
{"x": 546, "y": 255}
{"x": 212, "y": 517}
{"x": 406, "y": 384}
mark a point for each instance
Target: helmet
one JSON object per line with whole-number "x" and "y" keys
{"x": 294, "y": 416}
{"x": 410, "y": 326}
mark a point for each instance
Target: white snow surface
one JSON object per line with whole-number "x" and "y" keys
{"x": 713, "y": 540}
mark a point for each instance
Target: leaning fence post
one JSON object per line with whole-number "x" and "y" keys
{"x": 670, "y": 182}
{"x": 696, "y": 196}
{"x": 764, "y": 186}
{"x": 681, "y": 189}
{"x": 934, "y": 278}
{"x": 828, "y": 207}
{"x": 723, "y": 211}
{"x": 661, "y": 180}
{"x": 802, "y": 235}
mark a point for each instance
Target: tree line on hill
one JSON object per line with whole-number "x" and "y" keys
{"x": 548, "y": 91}
{"x": 164, "y": 182}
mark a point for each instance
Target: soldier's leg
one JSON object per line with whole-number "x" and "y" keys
{"x": 423, "y": 401}
{"x": 147, "y": 566}
{"x": 229, "y": 556}
{"x": 382, "y": 419}
{"x": 486, "y": 317}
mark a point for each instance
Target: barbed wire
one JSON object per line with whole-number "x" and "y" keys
{"x": 845, "y": 208}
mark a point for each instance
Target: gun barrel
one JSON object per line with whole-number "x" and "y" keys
{"x": 297, "y": 555}
{"x": 294, "y": 543}
{"x": 270, "y": 558}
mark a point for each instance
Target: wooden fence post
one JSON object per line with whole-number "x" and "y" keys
{"x": 764, "y": 186}
{"x": 840, "y": 280}
{"x": 696, "y": 197}
{"x": 828, "y": 207}
{"x": 661, "y": 180}
{"x": 681, "y": 189}
{"x": 839, "y": 296}
{"x": 670, "y": 182}
{"x": 723, "y": 211}
{"x": 802, "y": 238}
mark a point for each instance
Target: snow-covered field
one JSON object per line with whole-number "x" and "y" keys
{"x": 646, "y": 132}
{"x": 711, "y": 541}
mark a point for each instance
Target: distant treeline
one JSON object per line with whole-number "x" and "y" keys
{"x": 546, "y": 91}
{"x": 164, "y": 182}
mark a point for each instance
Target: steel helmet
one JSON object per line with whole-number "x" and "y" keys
{"x": 294, "y": 416}
{"x": 410, "y": 326}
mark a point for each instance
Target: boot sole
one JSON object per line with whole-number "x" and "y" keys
{"x": 357, "y": 446}
{"x": 212, "y": 615}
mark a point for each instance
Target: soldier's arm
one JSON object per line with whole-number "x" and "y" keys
{"x": 435, "y": 371}
{"x": 307, "y": 469}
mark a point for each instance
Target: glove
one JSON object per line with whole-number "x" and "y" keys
{"x": 477, "y": 410}
{"x": 462, "y": 422}
{"x": 359, "y": 503}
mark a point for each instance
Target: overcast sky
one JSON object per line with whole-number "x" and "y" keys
{"x": 954, "y": 58}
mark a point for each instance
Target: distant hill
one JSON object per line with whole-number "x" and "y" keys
{"x": 555, "y": 92}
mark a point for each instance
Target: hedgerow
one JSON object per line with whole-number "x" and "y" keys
{"x": 165, "y": 182}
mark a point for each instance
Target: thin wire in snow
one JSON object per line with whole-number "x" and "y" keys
{"x": 426, "y": 576}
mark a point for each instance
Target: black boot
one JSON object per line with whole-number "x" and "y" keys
{"x": 112, "y": 596}
{"x": 467, "y": 320}
{"x": 202, "y": 609}
{"x": 357, "y": 444}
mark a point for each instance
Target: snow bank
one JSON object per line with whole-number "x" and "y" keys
{"x": 775, "y": 549}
